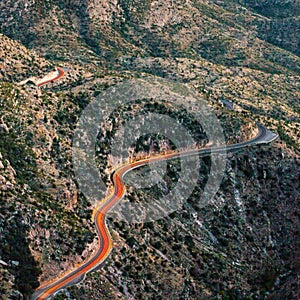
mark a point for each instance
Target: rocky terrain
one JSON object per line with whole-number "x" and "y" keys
{"x": 245, "y": 244}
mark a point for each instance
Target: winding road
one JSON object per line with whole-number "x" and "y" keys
{"x": 60, "y": 74}
{"x": 48, "y": 289}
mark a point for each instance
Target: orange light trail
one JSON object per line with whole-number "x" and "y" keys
{"x": 105, "y": 241}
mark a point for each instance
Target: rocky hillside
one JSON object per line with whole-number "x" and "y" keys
{"x": 281, "y": 25}
{"x": 243, "y": 246}
{"x": 222, "y": 32}
{"x": 17, "y": 62}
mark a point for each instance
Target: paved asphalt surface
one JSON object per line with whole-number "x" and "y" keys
{"x": 61, "y": 73}
{"x": 49, "y": 288}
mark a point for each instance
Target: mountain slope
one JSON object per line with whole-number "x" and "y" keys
{"x": 243, "y": 246}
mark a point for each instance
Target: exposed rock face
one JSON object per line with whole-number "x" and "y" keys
{"x": 245, "y": 245}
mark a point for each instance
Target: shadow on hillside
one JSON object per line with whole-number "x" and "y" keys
{"x": 15, "y": 249}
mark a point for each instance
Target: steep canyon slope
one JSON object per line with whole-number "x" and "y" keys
{"x": 243, "y": 246}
